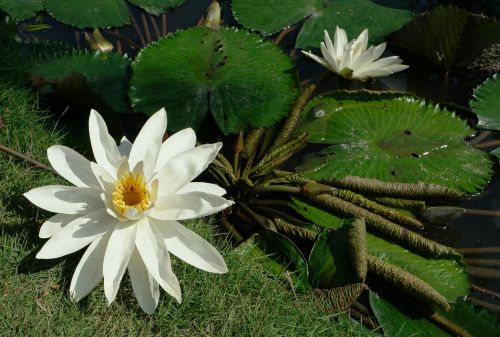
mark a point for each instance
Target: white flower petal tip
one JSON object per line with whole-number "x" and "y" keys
{"x": 353, "y": 59}
{"x": 113, "y": 209}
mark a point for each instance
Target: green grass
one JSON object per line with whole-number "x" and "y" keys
{"x": 34, "y": 299}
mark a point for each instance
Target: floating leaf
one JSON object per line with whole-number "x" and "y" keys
{"x": 486, "y": 103}
{"x": 201, "y": 70}
{"x": 448, "y": 277}
{"x": 21, "y": 9}
{"x": 448, "y": 36}
{"x": 396, "y": 324}
{"x": 315, "y": 214}
{"x": 90, "y": 13}
{"x": 157, "y": 7}
{"x": 321, "y": 263}
{"x": 398, "y": 140}
{"x": 380, "y": 17}
{"x": 106, "y": 74}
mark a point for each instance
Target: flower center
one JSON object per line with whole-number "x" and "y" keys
{"x": 130, "y": 193}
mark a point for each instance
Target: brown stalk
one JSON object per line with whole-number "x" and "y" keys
{"x": 33, "y": 162}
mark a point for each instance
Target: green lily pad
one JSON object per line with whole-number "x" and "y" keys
{"x": 448, "y": 277}
{"x": 486, "y": 103}
{"x": 21, "y": 9}
{"x": 318, "y": 216}
{"x": 322, "y": 263}
{"x": 106, "y": 74}
{"x": 449, "y": 36}
{"x": 201, "y": 70}
{"x": 476, "y": 322}
{"x": 157, "y": 7}
{"x": 396, "y": 140}
{"x": 397, "y": 324}
{"x": 380, "y": 17}
{"x": 90, "y": 13}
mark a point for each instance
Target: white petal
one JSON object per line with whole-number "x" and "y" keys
{"x": 190, "y": 247}
{"x": 363, "y": 60}
{"x": 88, "y": 272}
{"x": 188, "y": 206}
{"x": 185, "y": 167}
{"x": 346, "y": 57}
{"x": 148, "y": 142}
{"x": 54, "y": 224}
{"x": 361, "y": 43}
{"x": 125, "y": 147}
{"x": 329, "y": 58}
{"x": 317, "y": 59}
{"x": 65, "y": 199}
{"x": 146, "y": 289}
{"x": 72, "y": 166}
{"x": 339, "y": 42}
{"x": 379, "y": 50}
{"x": 154, "y": 253}
{"x": 328, "y": 43}
{"x": 178, "y": 142}
{"x": 116, "y": 258}
{"x": 201, "y": 187}
{"x": 105, "y": 180}
{"x": 77, "y": 234}
{"x": 394, "y": 68}
{"x": 371, "y": 73}
{"x": 103, "y": 145}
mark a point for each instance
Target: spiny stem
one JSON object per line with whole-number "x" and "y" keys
{"x": 492, "y": 307}
{"x": 230, "y": 228}
{"x": 275, "y": 189}
{"x": 483, "y": 272}
{"x": 155, "y": 26}
{"x": 478, "y": 250}
{"x": 484, "y": 212}
{"x": 480, "y": 137}
{"x": 361, "y": 308}
{"x": 258, "y": 218}
{"x": 485, "y": 291}
{"x": 30, "y": 160}
{"x": 284, "y": 33}
{"x": 448, "y": 325}
{"x": 137, "y": 30}
{"x": 483, "y": 262}
{"x": 125, "y": 39}
{"x": 146, "y": 28}
{"x": 363, "y": 319}
{"x": 164, "y": 24}
{"x": 495, "y": 142}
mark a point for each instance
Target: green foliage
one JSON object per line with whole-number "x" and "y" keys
{"x": 398, "y": 140}
{"x": 322, "y": 263}
{"x": 105, "y": 74}
{"x": 380, "y": 17}
{"x": 449, "y": 37}
{"x": 448, "y": 277}
{"x": 201, "y": 70}
{"x": 21, "y": 9}
{"x": 157, "y": 7}
{"x": 486, "y": 103}
{"x": 477, "y": 321}
{"x": 396, "y": 324}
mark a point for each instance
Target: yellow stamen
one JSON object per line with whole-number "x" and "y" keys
{"x": 131, "y": 192}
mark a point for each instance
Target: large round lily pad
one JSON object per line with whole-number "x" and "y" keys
{"x": 102, "y": 13}
{"x": 241, "y": 79}
{"x": 486, "y": 103}
{"x": 395, "y": 140}
{"x": 381, "y": 17}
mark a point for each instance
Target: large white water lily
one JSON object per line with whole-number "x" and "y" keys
{"x": 352, "y": 60}
{"x": 125, "y": 208}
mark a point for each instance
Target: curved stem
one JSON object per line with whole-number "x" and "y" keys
{"x": 275, "y": 189}
{"x": 28, "y": 159}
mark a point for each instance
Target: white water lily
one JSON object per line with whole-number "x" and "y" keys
{"x": 352, "y": 60}
{"x": 125, "y": 208}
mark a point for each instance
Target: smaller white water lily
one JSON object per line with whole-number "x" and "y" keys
{"x": 352, "y": 60}
{"x": 125, "y": 208}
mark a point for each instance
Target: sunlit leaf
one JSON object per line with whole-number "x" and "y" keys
{"x": 448, "y": 277}
{"x": 241, "y": 79}
{"x": 486, "y": 103}
{"x": 318, "y": 216}
{"x": 398, "y": 140}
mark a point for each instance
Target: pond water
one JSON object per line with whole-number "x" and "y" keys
{"x": 421, "y": 78}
